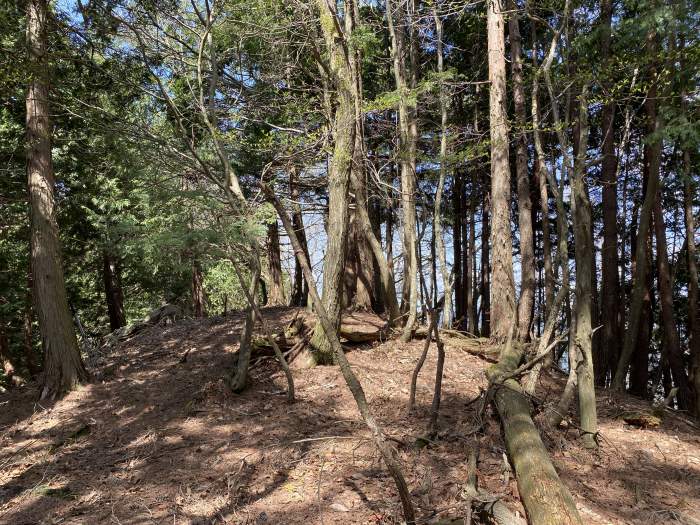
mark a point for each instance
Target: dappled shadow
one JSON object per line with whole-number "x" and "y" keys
{"x": 164, "y": 441}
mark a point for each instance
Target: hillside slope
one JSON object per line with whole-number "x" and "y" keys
{"x": 156, "y": 440}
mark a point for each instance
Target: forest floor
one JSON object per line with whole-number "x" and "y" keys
{"x": 155, "y": 440}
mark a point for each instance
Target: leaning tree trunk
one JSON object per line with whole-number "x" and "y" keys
{"x": 527, "y": 238}
{"x": 338, "y": 184}
{"x": 503, "y": 310}
{"x": 63, "y": 366}
{"x": 387, "y": 453}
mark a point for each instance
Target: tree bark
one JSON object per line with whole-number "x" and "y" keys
{"x": 610, "y": 310}
{"x": 239, "y": 379}
{"x": 300, "y": 289}
{"x": 338, "y": 181}
{"x": 113, "y": 290}
{"x": 527, "y": 238}
{"x": 437, "y": 216}
{"x": 63, "y": 365}
{"x": 546, "y": 499}
{"x": 275, "y": 289}
{"x": 671, "y": 339}
{"x": 404, "y": 61}
{"x": 655, "y": 124}
{"x": 387, "y": 453}
{"x": 503, "y": 312}
{"x": 584, "y": 295}
{"x": 198, "y": 297}
{"x": 457, "y": 214}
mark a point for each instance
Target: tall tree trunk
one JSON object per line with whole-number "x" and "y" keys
{"x": 113, "y": 290}
{"x": 437, "y": 217}
{"x": 198, "y": 297}
{"x": 610, "y": 344}
{"x": 63, "y": 366}
{"x": 690, "y": 189}
{"x": 457, "y": 214}
{"x": 655, "y": 127}
{"x": 300, "y": 288}
{"x": 27, "y": 329}
{"x": 274, "y": 266}
{"x": 338, "y": 181}
{"x": 503, "y": 312}
{"x": 472, "y": 324}
{"x": 404, "y": 60}
{"x": 527, "y": 239}
{"x": 239, "y": 378}
{"x": 671, "y": 339}
{"x": 485, "y": 266}
{"x": 584, "y": 296}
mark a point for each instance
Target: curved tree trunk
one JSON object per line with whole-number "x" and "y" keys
{"x": 239, "y": 379}
{"x": 300, "y": 288}
{"x": 63, "y": 366}
{"x": 503, "y": 312}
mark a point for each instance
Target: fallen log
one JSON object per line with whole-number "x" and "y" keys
{"x": 545, "y": 498}
{"x": 362, "y": 327}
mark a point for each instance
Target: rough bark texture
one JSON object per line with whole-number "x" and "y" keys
{"x": 693, "y": 294}
{"x": 527, "y": 239}
{"x": 113, "y": 290}
{"x": 584, "y": 295}
{"x": 642, "y": 268}
{"x": 338, "y": 183}
{"x": 671, "y": 340}
{"x": 403, "y": 56}
{"x": 546, "y": 499}
{"x": 437, "y": 217}
{"x": 275, "y": 288}
{"x": 457, "y": 214}
{"x": 610, "y": 293}
{"x": 198, "y": 296}
{"x": 503, "y": 312}
{"x": 239, "y": 379}
{"x": 300, "y": 288}
{"x": 63, "y": 366}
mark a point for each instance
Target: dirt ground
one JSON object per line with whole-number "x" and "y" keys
{"x": 154, "y": 440}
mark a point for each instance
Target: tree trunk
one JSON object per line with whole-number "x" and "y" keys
{"x": 472, "y": 324}
{"x": 671, "y": 339}
{"x": 239, "y": 379}
{"x": 503, "y": 312}
{"x": 485, "y": 267}
{"x": 199, "y": 300}
{"x": 27, "y": 329}
{"x": 338, "y": 183}
{"x": 457, "y": 213}
{"x": 113, "y": 290}
{"x": 584, "y": 296}
{"x": 610, "y": 308}
{"x": 63, "y": 366}
{"x": 545, "y": 498}
{"x": 655, "y": 124}
{"x": 275, "y": 289}
{"x": 404, "y": 75}
{"x": 300, "y": 289}
{"x": 437, "y": 217}
{"x": 527, "y": 239}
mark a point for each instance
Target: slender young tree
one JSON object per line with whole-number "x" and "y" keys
{"x": 63, "y": 366}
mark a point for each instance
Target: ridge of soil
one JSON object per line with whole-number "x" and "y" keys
{"x": 154, "y": 440}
